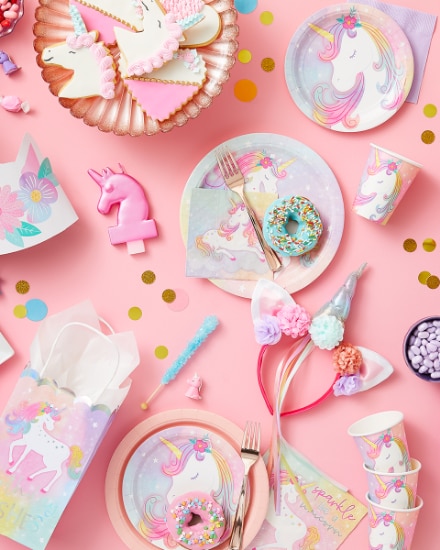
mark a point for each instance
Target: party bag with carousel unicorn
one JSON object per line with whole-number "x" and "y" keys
{"x": 56, "y": 417}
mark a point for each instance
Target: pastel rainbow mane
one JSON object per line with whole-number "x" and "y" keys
{"x": 334, "y": 106}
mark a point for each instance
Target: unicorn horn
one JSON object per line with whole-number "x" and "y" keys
{"x": 77, "y": 20}
{"x": 286, "y": 164}
{"x": 95, "y": 176}
{"x": 328, "y": 35}
{"x": 381, "y": 483}
{"x": 339, "y": 305}
{"x": 369, "y": 442}
{"x": 175, "y": 450}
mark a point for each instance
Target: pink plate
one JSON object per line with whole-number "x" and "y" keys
{"x": 141, "y": 450}
{"x": 122, "y": 115}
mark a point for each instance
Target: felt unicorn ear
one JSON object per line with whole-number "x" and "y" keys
{"x": 374, "y": 370}
{"x": 274, "y": 312}
{"x": 360, "y": 368}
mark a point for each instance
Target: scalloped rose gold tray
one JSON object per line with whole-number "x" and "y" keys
{"x": 122, "y": 115}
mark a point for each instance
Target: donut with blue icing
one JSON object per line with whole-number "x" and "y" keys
{"x": 292, "y": 209}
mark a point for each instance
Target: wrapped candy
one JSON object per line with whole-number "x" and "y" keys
{"x": 14, "y": 104}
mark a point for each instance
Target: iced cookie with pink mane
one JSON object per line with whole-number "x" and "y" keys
{"x": 163, "y": 91}
{"x": 105, "y": 15}
{"x": 144, "y": 51}
{"x": 93, "y": 65}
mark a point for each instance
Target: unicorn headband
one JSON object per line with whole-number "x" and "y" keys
{"x": 275, "y": 312}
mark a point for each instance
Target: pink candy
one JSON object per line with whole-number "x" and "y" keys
{"x": 14, "y": 104}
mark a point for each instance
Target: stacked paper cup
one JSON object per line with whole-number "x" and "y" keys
{"x": 392, "y": 499}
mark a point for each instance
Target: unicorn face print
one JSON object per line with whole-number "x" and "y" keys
{"x": 345, "y": 68}
{"x": 171, "y": 463}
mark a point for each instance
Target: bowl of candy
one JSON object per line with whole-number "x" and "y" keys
{"x": 11, "y": 11}
{"x": 421, "y": 348}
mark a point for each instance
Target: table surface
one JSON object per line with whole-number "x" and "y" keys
{"x": 81, "y": 264}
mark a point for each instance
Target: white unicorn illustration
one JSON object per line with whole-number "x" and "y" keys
{"x": 235, "y": 235}
{"x": 92, "y": 63}
{"x": 193, "y": 466}
{"x": 384, "y": 532}
{"x": 288, "y": 528}
{"x": 389, "y": 454}
{"x": 34, "y": 421}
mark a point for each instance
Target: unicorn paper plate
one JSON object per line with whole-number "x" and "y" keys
{"x": 120, "y": 80}
{"x": 349, "y": 67}
{"x": 204, "y": 450}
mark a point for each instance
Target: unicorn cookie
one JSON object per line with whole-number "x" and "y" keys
{"x": 155, "y": 45}
{"x": 93, "y": 65}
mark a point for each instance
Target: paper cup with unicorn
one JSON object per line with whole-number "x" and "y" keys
{"x": 390, "y": 528}
{"x": 33, "y": 206}
{"x": 386, "y": 178}
{"x": 394, "y": 490}
{"x": 56, "y": 417}
{"x": 382, "y": 442}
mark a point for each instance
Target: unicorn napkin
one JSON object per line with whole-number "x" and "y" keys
{"x": 33, "y": 206}
{"x": 222, "y": 243}
{"x": 56, "y": 417}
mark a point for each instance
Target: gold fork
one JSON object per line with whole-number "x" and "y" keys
{"x": 250, "y": 452}
{"x": 234, "y": 179}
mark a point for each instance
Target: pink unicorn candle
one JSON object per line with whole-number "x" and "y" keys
{"x": 133, "y": 225}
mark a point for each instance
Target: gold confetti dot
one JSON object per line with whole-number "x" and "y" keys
{"x": 423, "y": 277}
{"x": 244, "y": 56}
{"x": 430, "y": 110}
{"x": 135, "y": 313}
{"x": 266, "y": 17}
{"x": 245, "y": 90}
{"x": 268, "y": 64}
{"x": 20, "y": 311}
{"x": 148, "y": 277}
{"x": 429, "y": 245}
{"x": 409, "y": 245}
{"x": 432, "y": 281}
{"x": 161, "y": 352}
{"x": 22, "y": 287}
{"x": 168, "y": 295}
{"x": 428, "y": 136}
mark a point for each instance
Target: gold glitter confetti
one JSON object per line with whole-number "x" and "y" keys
{"x": 148, "y": 277}
{"x": 268, "y": 64}
{"x": 409, "y": 245}
{"x": 22, "y": 287}
{"x": 429, "y": 110}
{"x": 428, "y": 136}
{"x": 429, "y": 245}
{"x": 135, "y": 313}
{"x": 423, "y": 277}
{"x": 168, "y": 295}
{"x": 432, "y": 281}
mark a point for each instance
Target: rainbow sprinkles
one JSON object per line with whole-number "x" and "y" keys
{"x": 146, "y": 46}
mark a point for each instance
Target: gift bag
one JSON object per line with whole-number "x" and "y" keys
{"x": 56, "y": 417}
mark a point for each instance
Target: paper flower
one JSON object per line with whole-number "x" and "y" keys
{"x": 327, "y": 331}
{"x": 347, "y": 359}
{"x": 347, "y": 385}
{"x": 267, "y": 330}
{"x": 294, "y": 320}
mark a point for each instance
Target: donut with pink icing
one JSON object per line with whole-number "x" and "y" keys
{"x": 195, "y": 520}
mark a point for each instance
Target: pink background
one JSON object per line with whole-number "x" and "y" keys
{"x": 81, "y": 263}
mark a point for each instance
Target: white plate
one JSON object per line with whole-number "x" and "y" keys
{"x": 333, "y": 54}
{"x": 306, "y": 174}
{"x": 135, "y": 472}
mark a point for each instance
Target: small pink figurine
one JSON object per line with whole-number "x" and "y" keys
{"x": 7, "y": 64}
{"x": 14, "y": 104}
{"x": 195, "y": 385}
{"x": 133, "y": 223}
